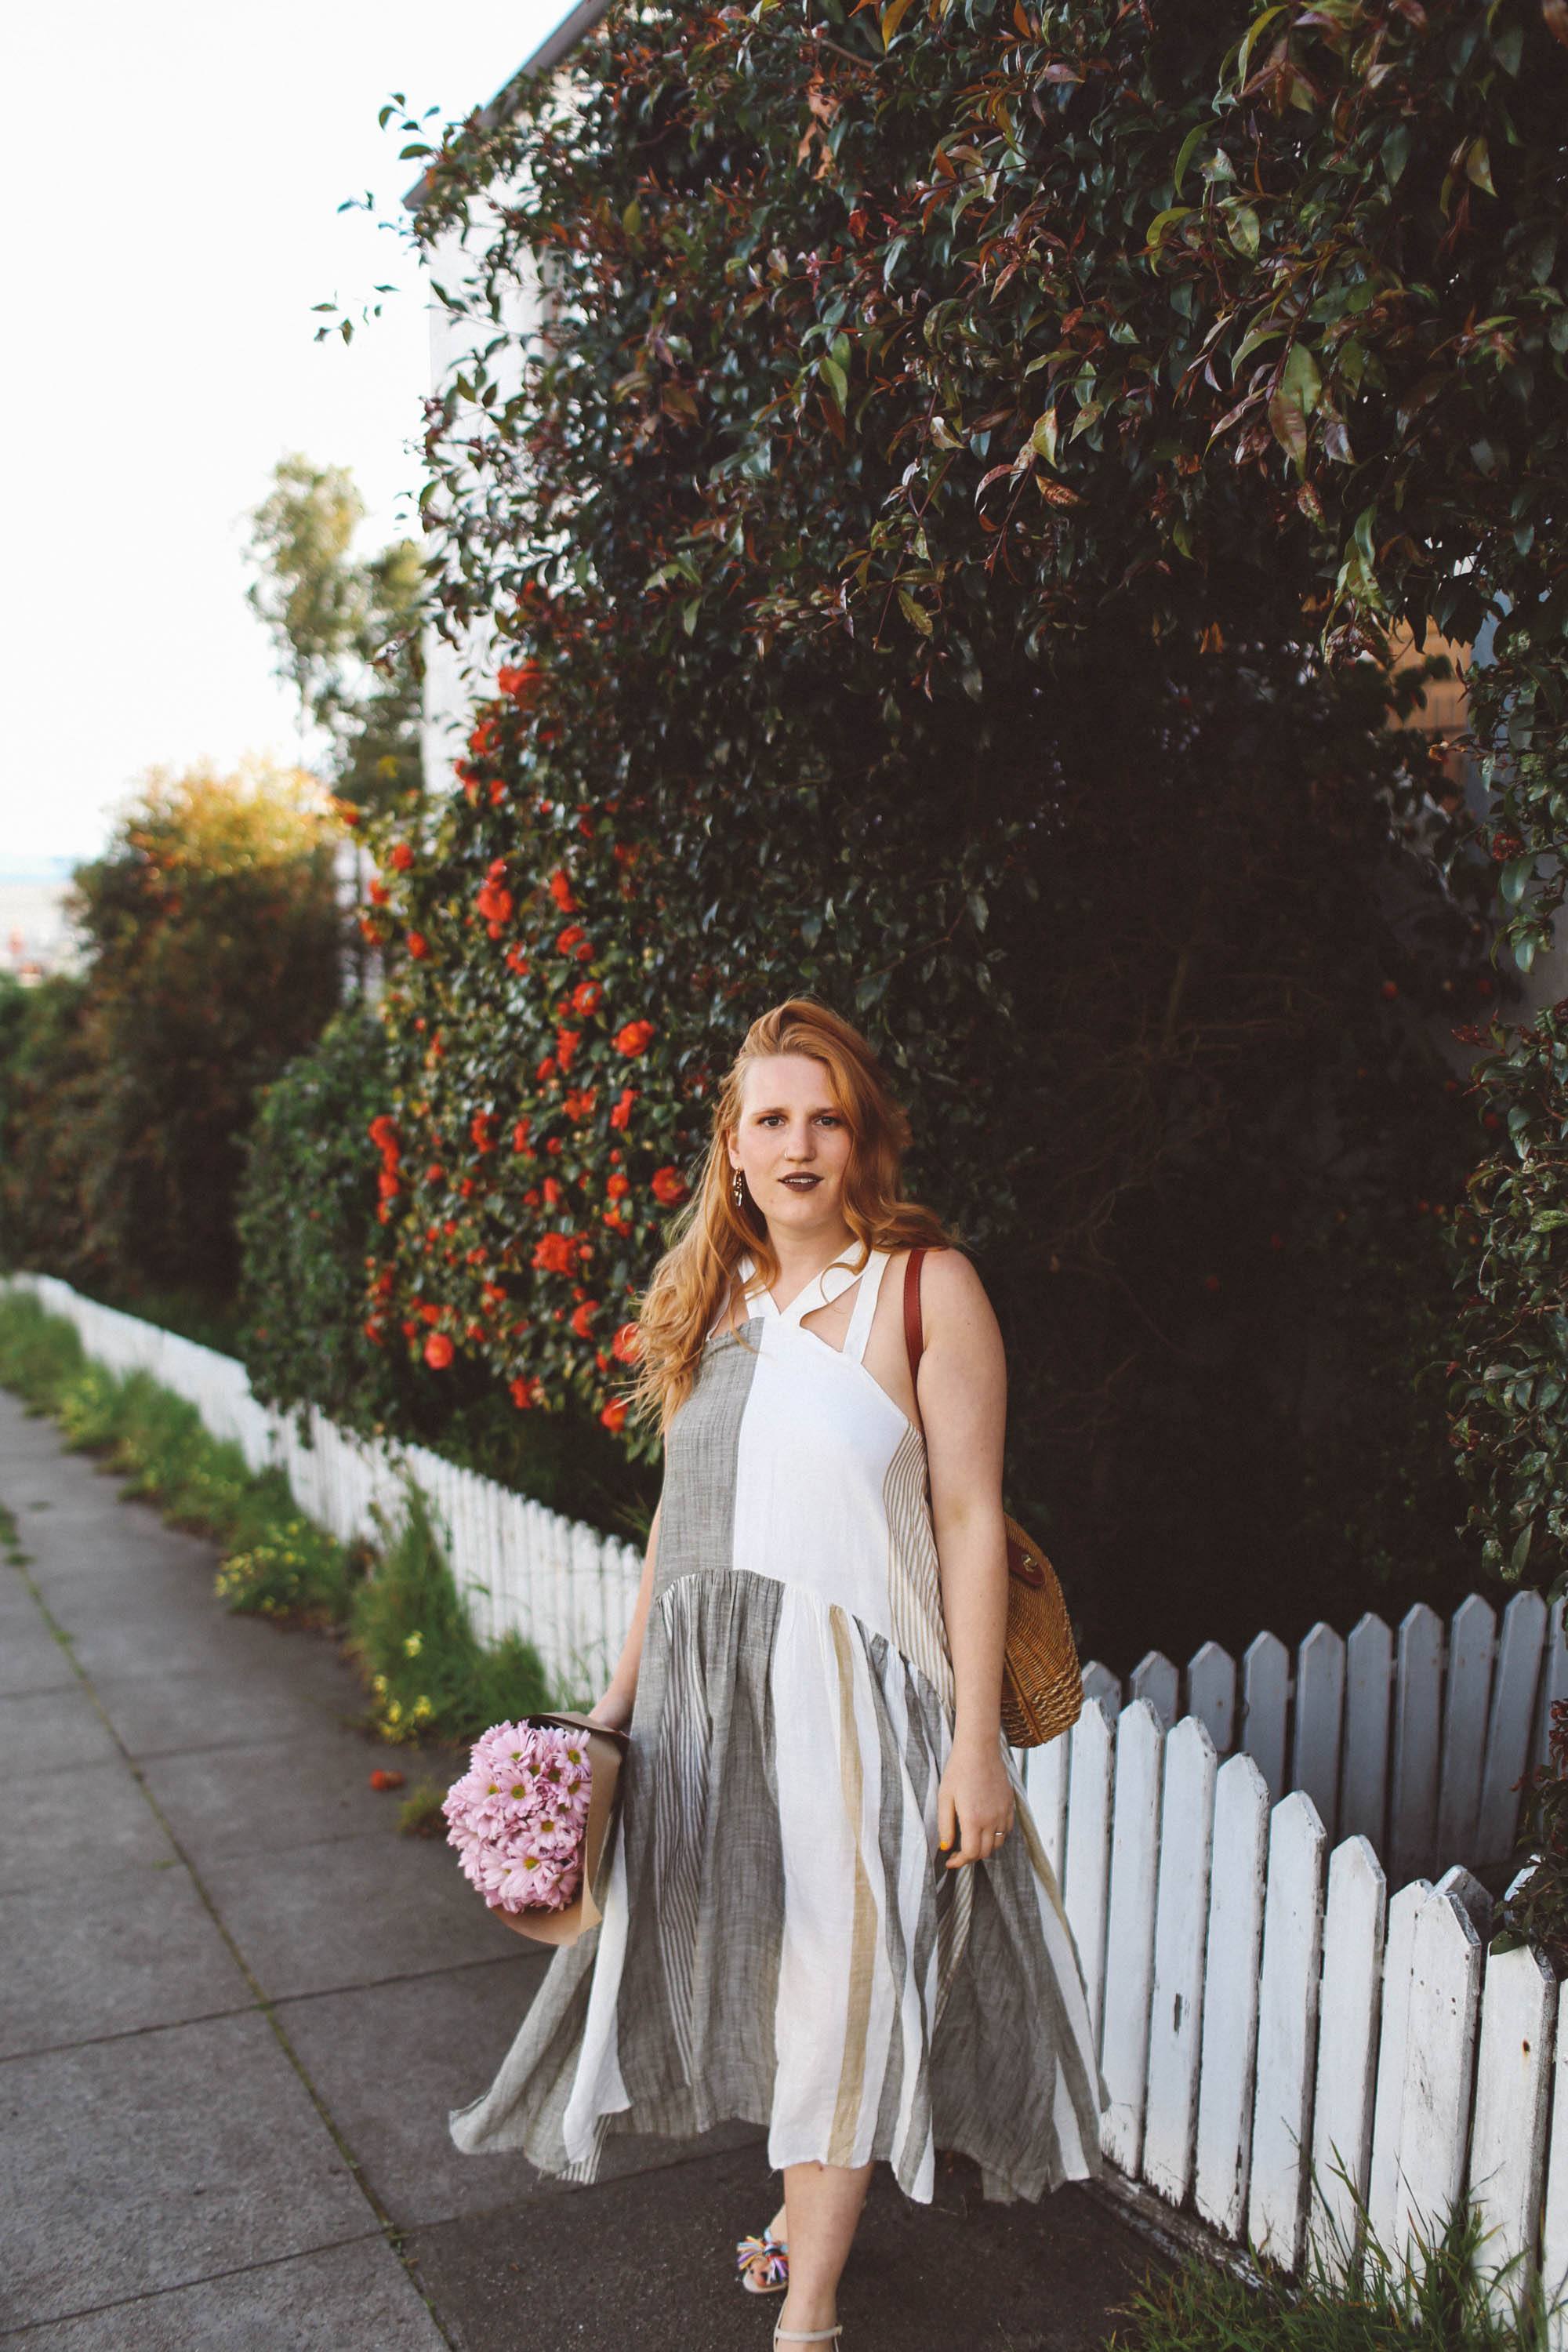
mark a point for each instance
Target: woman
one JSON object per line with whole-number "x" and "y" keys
{"x": 827, "y": 1908}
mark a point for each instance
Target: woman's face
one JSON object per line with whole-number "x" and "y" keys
{"x": 793, "y": 1142}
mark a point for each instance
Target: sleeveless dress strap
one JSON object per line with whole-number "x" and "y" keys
{"x": 860, "y": 1321}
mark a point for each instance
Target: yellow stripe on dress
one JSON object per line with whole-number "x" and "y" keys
{"x": 863, "y": 1922}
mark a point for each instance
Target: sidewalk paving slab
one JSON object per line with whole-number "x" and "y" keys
{"x": 93, "y": 1811}
{"x": 132, "y": 1949}
{"x": 52, "y": 1731}
{"x": 352, "y": 1911}
{"x": 185, "y": 1714}
{"x": 160, "y": 2158}
{"x": 30, "y": 1658}
{"x": 264, "y": 1796}
{"x": 350, "y": 2298}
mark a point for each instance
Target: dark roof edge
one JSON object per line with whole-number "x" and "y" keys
{"x": 509, "y": 97}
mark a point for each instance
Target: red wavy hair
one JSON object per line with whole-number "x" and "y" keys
{"x": 713, "y": 1233}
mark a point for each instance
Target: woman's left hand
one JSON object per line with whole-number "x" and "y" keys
{"x": 974, "y": 1802}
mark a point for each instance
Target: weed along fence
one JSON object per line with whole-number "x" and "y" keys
{"x": 1270, "y": 1999}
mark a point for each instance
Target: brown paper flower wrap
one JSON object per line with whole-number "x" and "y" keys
{"x": 607, "y": 1752}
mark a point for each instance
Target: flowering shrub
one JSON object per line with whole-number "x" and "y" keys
{"x": 307, "y": 1229}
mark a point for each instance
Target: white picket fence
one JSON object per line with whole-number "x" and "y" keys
{"x": 1414, "y": 1740}
{"x": 519, "y": 1566}
{"x": 1262, "y": 2006}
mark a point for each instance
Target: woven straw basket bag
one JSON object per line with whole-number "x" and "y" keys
{"x": 1042, "y": 1683}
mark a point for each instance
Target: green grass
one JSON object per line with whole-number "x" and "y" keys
{"x": 428, "y": 1674}
{"x": 1441, "y": 2299}
{"x": 429, "y": 1671}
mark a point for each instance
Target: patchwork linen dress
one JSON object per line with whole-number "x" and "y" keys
{"x": 781, "y": 1943}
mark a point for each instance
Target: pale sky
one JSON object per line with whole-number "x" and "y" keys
{"x": 175, "y": 171}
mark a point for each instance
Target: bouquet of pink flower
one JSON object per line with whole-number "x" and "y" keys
{"x": 519, "y": 1816}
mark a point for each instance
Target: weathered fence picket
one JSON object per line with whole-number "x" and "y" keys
{"x": 1348, "y": 2013}
{"x": 1086, "y": 1887}
{"x": 1135, "y": 1859}
{"x": 1234, "y": 1941}
{"x": 1513, "y": 2075}
{"x": 1181, "y": 1923}
{"x": 1287, "y": 2029}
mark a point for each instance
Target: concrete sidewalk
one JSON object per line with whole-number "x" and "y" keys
{"x": 236, "y": 2007}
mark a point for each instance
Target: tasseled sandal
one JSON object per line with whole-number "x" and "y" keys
{"x": 764, "y": 2264}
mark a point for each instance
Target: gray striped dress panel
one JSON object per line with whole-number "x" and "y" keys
{"x": 702, "y": 1448}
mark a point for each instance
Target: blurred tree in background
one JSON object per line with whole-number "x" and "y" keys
{"x": 345, "y": 629}
{"x": 211, "y": 949}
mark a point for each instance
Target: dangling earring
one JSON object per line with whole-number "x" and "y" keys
{"x": 738, "y": 1189}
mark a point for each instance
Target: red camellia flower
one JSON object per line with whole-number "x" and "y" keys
{"x": 553, "y": 1191}
{"x": 438, "y": 1351}
{"x": 379, "y": 894}
{"x": 585, "y": 996}
{"x": 567, "y": 940}
{"x": 626, "y": 1344}
{"x": 524, "y": 1392}
{"x": 520, "y": 1135}
{"x": 634, "y": 1037}
{"x": 579, "y": 1104}
{"x": 519, "y": 680}
{"x": 566, "y": 1043}
{"x": 482, "y": 1127}
{"x": 431, "y": 1314}
{"x": 402, "y": 857}
{"x": 419, "y": 946}
{"x": 668, "y": 1185}
{"x": 617, "y": 1187}
{"x": 482, "y": 740}
{"x": 561, "y": 891}
{"x": 546, "y": 1068}
{"x": 582, "y": 1320}
{"x": 387, "y": 1185}
{"x": 616, "y": 1222}
{"x": 621, "y": 1115}
{"x": 372, "y": 1333}
{"x": 554, "y": 1254}
{"x": 615, "y": 1415}
{"x": 516, "y": 961}
{"x": 495, "y": 904}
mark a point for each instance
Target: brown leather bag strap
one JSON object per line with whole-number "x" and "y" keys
{"x": 914, "y": 1337}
